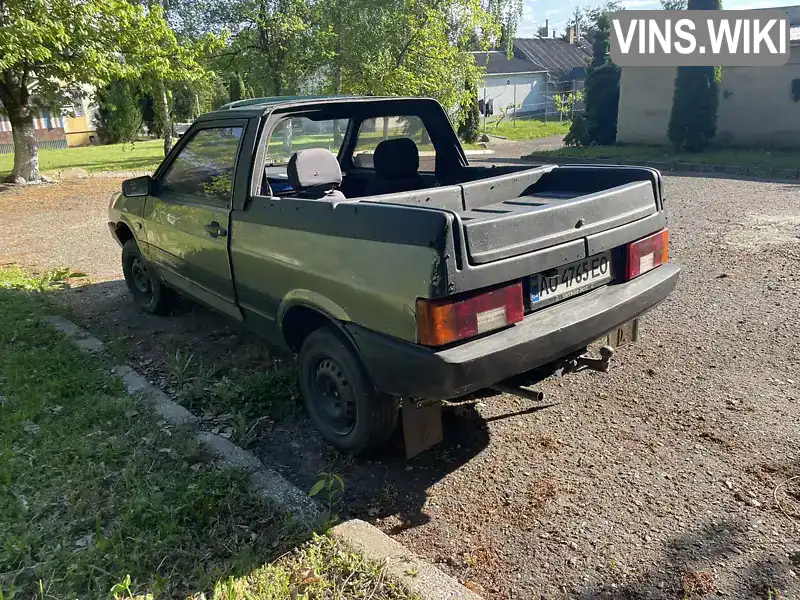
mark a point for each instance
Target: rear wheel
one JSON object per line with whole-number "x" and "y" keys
{"x": 340, "y": 398}
{"x": 146, "y": 288}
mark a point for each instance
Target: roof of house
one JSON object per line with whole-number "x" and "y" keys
{"x": 497, "y": 62}
{"x": 556, "y": 56}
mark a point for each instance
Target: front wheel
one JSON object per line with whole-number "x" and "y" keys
{"x": 340, "y": 398}
{"x": 148, "y": 292}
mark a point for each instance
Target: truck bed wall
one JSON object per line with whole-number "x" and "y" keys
{"x": 361, "y": 261}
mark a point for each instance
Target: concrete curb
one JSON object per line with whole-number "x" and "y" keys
{"x": 402, "y": 565}
{"x": 418, "y": 576}
{"x": 675, "y": 166}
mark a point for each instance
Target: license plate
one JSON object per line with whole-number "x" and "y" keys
{"x": 570, "y": 280}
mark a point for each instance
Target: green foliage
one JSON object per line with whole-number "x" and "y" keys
{"x": 236, "y": 87}
{"x": 95, "y": 492}
{"x": 599, "y": 24}
{"x": 579, "y": 19}
{"x": 602, "y": 104}
{"x": 565, "y": 102}
{"x": 50, "y": 48}
{"x": 693, "y": 120}
{"x": 469, "y": 130}
{"x": 673, "y": 4}
{"x": 333, "y": 486}
{"x": 601, "y": 91}
{"x": 601, "y": 41}
{"x": 119, "y": 112}
{"x": 578, "y": 135}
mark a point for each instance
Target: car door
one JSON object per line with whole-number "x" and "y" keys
{"x": 187, "y": 216}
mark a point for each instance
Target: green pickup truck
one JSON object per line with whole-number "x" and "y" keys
{"x": 353, "y": 232}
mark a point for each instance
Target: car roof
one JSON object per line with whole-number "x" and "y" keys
{"x": 253, "y": 107}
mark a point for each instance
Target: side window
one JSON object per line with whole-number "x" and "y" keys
{"x": 204, "y": 167}
{"x": 301, "y": 133}
{"x": 373, "y": 131}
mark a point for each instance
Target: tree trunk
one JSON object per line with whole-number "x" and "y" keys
{"x": 26, "y": 147}
{"x": 166, "y": 126}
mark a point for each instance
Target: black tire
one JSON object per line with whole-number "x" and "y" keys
{"x": 148, "y": 292}
{"x": 341, "y": 400}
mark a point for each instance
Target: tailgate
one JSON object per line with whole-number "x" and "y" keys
{"x": 565, "y": 204}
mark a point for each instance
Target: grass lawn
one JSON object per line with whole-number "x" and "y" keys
{"x": 145, "y": 156}
{"x": 527, "y": 129}
{"x": 767, "y": 159}
{"x": 99, "y": 499}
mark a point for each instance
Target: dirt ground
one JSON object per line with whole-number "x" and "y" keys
{"x": 670, "y": 477}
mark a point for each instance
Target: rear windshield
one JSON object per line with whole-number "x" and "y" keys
{"x": 300, "y": 133}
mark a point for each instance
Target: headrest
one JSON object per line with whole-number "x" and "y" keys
{"x": 314, "y": 167}
{"x": 397, "y": 158}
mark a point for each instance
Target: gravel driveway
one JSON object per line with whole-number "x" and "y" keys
{"x": 667, "y": 478}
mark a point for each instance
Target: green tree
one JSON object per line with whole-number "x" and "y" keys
{"x": 693, "y": 120}
{"x": 119, "y": 112}
{"x": 577, "y": 136}
{"x": 236, "y": 87}
{"x": 602, "y": 104}
{"x": 406, "y": 47}
{"x": 469, "y": 129}
{"x": 48, "y": 48}
{"x": 578, "y": 22}
{"x": 673, "y": 4}
{"x": 598, "y": 125}
{"x": 599, "y": 23}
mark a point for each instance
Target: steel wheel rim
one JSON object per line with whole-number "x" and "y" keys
{"x": 141, "y": 277}
{"x": 333, "y": 396}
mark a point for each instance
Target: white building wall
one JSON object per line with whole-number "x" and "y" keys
{"x": 527, "y": 91}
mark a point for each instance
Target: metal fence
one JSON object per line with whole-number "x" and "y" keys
{"x": 545, "y": 109}
{"x": 48, "y": 144}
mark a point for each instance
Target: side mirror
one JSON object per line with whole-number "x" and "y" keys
{"x": 138, "y": 186}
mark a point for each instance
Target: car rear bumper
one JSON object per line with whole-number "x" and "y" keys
{"x": 406, "y": 369}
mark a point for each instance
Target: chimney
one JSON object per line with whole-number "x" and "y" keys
{"x": 571, "y": 34}
{"x": 554, "y": 34}
{"x": 546, "y": 26}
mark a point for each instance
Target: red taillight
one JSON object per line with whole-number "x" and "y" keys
{"x": 441, "y": 322}
{"x": 647, "y": 253}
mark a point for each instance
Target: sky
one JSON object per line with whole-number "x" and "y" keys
{"x": 558, "y": 12}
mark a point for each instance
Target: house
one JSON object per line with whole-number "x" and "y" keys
{"x": 538, "y": 69}
{"x": 758, "y": 106}
{"x": 71, "y": 126}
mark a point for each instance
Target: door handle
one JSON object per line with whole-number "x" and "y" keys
{"x": 214, "y": 229}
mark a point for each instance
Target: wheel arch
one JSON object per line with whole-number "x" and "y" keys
{"x": 123, "y": 232}
{"x": 301, "y": 312}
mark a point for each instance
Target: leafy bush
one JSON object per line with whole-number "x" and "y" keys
{"x": 236, "y": 88}
{"x": 469, "y": 127}
{"x": 693, "y": 120}
{"x": 602, "y": 104}
{"x": 469, "y": 130}
{"x": 577, "y": 136}
{"x": 119, "y": 116}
